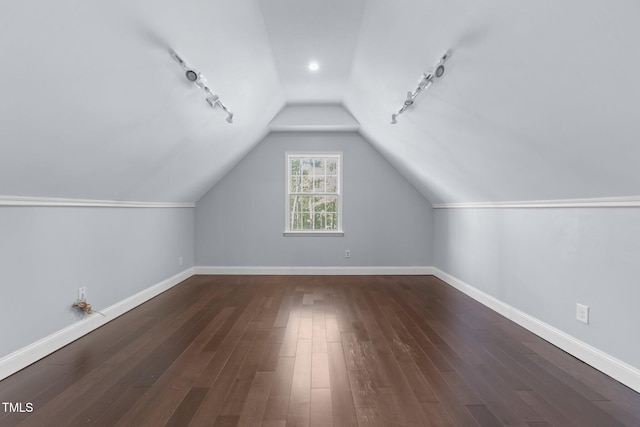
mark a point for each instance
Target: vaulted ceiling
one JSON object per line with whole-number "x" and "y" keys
{"x": 538, "y": 101}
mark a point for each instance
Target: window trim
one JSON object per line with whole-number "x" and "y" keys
{"x": 339, "y": 232}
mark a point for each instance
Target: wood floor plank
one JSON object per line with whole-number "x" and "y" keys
{"x": 332, "y": 329}
{"x": 269, "y": 359}
{"x": 226, "y": 421}
{"x": 300, "y": 398}
{"x": 460, "y": 344}
{"x": 508, "y": 407}
{"x": 103, "y": 393}
{"x": 484, "y": 416}
{"x": 409, "y": 410}
{"x": 116, "y": 410}
{"x": 75, "y": 366}
{"x": 344, "y": 413}
{"x": 556, "y": 394}
{"x": 437, "y": 414}
{"x": 382, "y": 412}
{"x": 191, "y": 402}
{"x": 315, "y": 350}
{"x": 292, "y": 328}
{"x": 278, "y": 402}
{"x": 283, "y": 312}
{"x": 166, "y": 393}
{"x": 212, "y": 404}
{"x": 145, "y": 364}
{"x": 320, "y": 370}
{"x": 569, "y": 379}
{"x": 234, "y": 402}
{"x": 362, "y": 356}
{"x": 554, "y": 415}
{"x": 621, "y": 414}
{"x": 319, "y": 326}
{"x": 321, "y": 410}
{"x": 256, "y": 402}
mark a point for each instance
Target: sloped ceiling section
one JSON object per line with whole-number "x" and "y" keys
{"x": 539, "y": 100}
{"x": 95, "y": 107}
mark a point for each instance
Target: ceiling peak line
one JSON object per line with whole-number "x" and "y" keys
{"x": 199, "y": 81}
{"x": 424, "y": 83}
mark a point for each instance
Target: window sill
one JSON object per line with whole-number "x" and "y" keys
{"x": 313, "y": 234}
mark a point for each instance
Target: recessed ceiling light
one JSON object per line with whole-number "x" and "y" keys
{"x": 314, "y": 66}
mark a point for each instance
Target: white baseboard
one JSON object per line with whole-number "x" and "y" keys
{"x": 24, "y": 357}
{"x": 617, "y": 369}
{"x": 329, "y": 271}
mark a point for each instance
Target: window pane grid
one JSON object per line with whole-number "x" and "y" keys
{"x": 313, "y": 189}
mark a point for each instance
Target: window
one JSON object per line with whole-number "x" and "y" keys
{"x": 314, "y": 196}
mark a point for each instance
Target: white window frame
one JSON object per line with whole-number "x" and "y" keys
{"x": 315, "y": 233}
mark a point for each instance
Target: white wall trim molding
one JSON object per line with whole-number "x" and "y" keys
{"x": 617, "y": 369}
{"x": 24, "y": 357}
{"x": 607, "y": 202}
{"x": 335, "y": 271}
{"x": 57, "y": 202}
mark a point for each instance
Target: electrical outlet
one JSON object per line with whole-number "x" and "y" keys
{"x": 180, "y": 260}
{"x": 82, "y": 293}
{"x": 347, "y": 253}
{"x": 582, "y": 313}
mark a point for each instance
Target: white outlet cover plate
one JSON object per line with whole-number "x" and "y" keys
{"x": 582, "y": 313}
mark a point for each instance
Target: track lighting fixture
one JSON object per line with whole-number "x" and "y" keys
{"x": 192, "y": 76}
{"x": 426, "y": 80}
{"x": 200, "y": 81}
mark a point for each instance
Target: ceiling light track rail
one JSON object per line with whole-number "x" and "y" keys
{"x": 424, "y": 83}
{"x": 200, "y": 81}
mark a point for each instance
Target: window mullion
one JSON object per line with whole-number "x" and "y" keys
{"x": 302, "y": 204}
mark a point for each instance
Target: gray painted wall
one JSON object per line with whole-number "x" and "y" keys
{"x": 47, "y": 253}
{"x": 544, "y": 261}
{"x": 240, "y": 222}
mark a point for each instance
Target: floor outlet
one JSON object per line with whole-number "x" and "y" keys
{"x": 82, "y": 293}
{"x": 582, "y": 313}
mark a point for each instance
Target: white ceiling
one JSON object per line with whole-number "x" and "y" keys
{"x": 301, "y": 31}
{"x": 539, "y": 99}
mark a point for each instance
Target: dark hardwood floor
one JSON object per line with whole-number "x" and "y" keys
{"x": 315, "y": 350}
